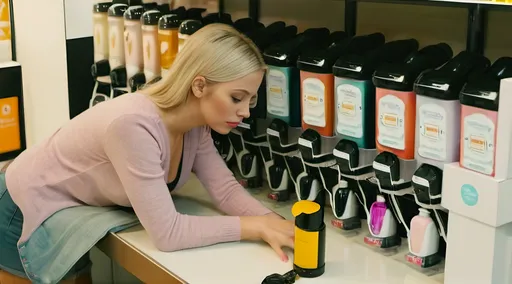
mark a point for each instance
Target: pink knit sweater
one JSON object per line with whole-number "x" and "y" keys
{"x": 117, "y": 153}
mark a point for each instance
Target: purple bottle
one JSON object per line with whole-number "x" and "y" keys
{"x": 377, "y": 213}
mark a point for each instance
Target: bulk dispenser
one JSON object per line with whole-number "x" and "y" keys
{"x": 168, "y": 26}
{"x": 150, "y": 47}
{"x": 283, "y": 80}
{"x": 249, "y": 139}
{"x": 479, "y": 118}
{"x": 283, "y": 108}
{"x": 100, "y": 70}
{"x": 437, "y": 134}
{"x": 116, "y": 55}
{"x": 286, "y": 167}
{"x": 395, "y": 124}
{"x": 317, "y": 80}
{"x": 133, "y": 48}
{"x": 355, "y": 126}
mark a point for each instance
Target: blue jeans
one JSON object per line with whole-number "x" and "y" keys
{"x": 11, "y": 222}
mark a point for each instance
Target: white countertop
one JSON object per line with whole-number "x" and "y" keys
{"x": 249, "y": 263}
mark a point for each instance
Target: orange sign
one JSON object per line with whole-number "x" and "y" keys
{"x": 10, "y": 139}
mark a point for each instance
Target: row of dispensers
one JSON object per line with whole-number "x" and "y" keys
{"x": 368, "y": 125}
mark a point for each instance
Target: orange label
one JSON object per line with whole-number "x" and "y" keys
{"x": 5, "y": 24}
{"x": 9, "y": 125}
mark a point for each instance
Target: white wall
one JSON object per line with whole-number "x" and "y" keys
{"x": 41, "y": 50}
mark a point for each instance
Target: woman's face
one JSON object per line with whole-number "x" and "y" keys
{"x": 224, "y": 105}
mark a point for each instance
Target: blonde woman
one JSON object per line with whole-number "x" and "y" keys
{"x": 131, "y": 151}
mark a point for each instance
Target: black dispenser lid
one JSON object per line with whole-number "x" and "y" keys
{"x": 117, "y": 10}
{"x": 135, "y": 3}
{"x": 273, "y": 33}
{"x": 247, "y": 25}
{"x": 180, "y": 11}
{"x": 446, "y": 82}
{"x": 188, "y": 27}
{"x": 401, "y": 76}
{"x": 134, "y": 13}
{"x": 223, "y": 18}
{"x": 432, "y": 174}
{"x": 151, "y": 18}
{"x": 150, "y": 6}
{"x": 285, "y": 53}
{"x": 169, "y": 22}
{"x": 165, "y": 9}
{"x": 322, "y": 60}
{"x": 194, "y": 13}
{"x": 127, "y": 2}
{"x": 361, "y": 66}
{"x": 483, "y": 92}
{"x": 101, "y": 7}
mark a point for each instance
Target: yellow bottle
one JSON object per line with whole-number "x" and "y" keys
{"x": 309, "y": 256}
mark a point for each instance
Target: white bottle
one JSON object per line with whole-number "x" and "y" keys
{"x": 423, "y": 237}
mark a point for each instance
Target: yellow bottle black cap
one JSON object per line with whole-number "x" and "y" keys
{"x": 308, "y": 215}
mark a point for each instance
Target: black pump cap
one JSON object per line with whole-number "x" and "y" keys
{"x": 433, "y": 175}
{"x": 401, "y": 76}
{"x": 322, "y": 60}
{"x": 150, "y": 6}
{"x": 392, "y": 173}
{"x": 134, "y": 13}
{"x": 100, "y": 68}
{"x": 137, "y": 81}
{"x": 151, "y": 18}
{"x": 180, "y": 11}
{"x": 351, "y": 151}
{"x": 275, "y": 32}
{"x": 309, "y": 215}
{"x": 446, "y": 82}
{"x": 285, "y": 54}
{"x": 118, "y": 77}
{"x": 195, "y": 13}
{"x": 117, "y": 10}
{"x": 247, "y": 25}
{"x": 189, "y": 27}
{"x": 127, "y": 2}
{"x": 483, "y": 92}
{"x": 101, "y": 7}
{"x": 362, "y": 66}
{"x": 316, "y": 143}
{"x": 169, "y": 22}
{"x": 165, "y": 9}
{"x": 135, "y": 2}
{"x": 217, "y": 18}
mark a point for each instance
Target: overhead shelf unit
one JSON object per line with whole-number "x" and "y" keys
{"x": 476, "y": 20}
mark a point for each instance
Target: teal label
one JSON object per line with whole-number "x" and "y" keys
{"x": 469, "y": 195}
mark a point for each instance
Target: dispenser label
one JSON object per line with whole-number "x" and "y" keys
{"x": 479, "y": 136}
{"x": 10, "y": 139}
{"x": 306, "y": 249}
{"x": 313, "y": 96}
{"x": 5, "y": 21}
{"x": 100, "y": 37}
{"x": 469, "y": 195}
{"x": 116, "y": 43}
{"x": 432, "y": 129}
{"x": 349, "y": 110}
{"x": 278, "y": 101}
{"x": 133, "y": 48}
{"x": 391, "y": 124}
{"x": 151, "y": 52}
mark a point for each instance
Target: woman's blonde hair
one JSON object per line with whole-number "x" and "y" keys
{"x": 217, "y": 52}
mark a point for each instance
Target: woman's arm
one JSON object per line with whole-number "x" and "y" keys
{"x": 135, "y": 153}
{"x": 222, "y": 186}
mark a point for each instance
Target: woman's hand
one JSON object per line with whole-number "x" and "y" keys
{"x": 277, "y": 232}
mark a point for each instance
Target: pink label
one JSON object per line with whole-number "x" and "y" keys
{"x": 416, "y": 260}
{"x": 337, "y": 223}
{"x": 374, "y": 242}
